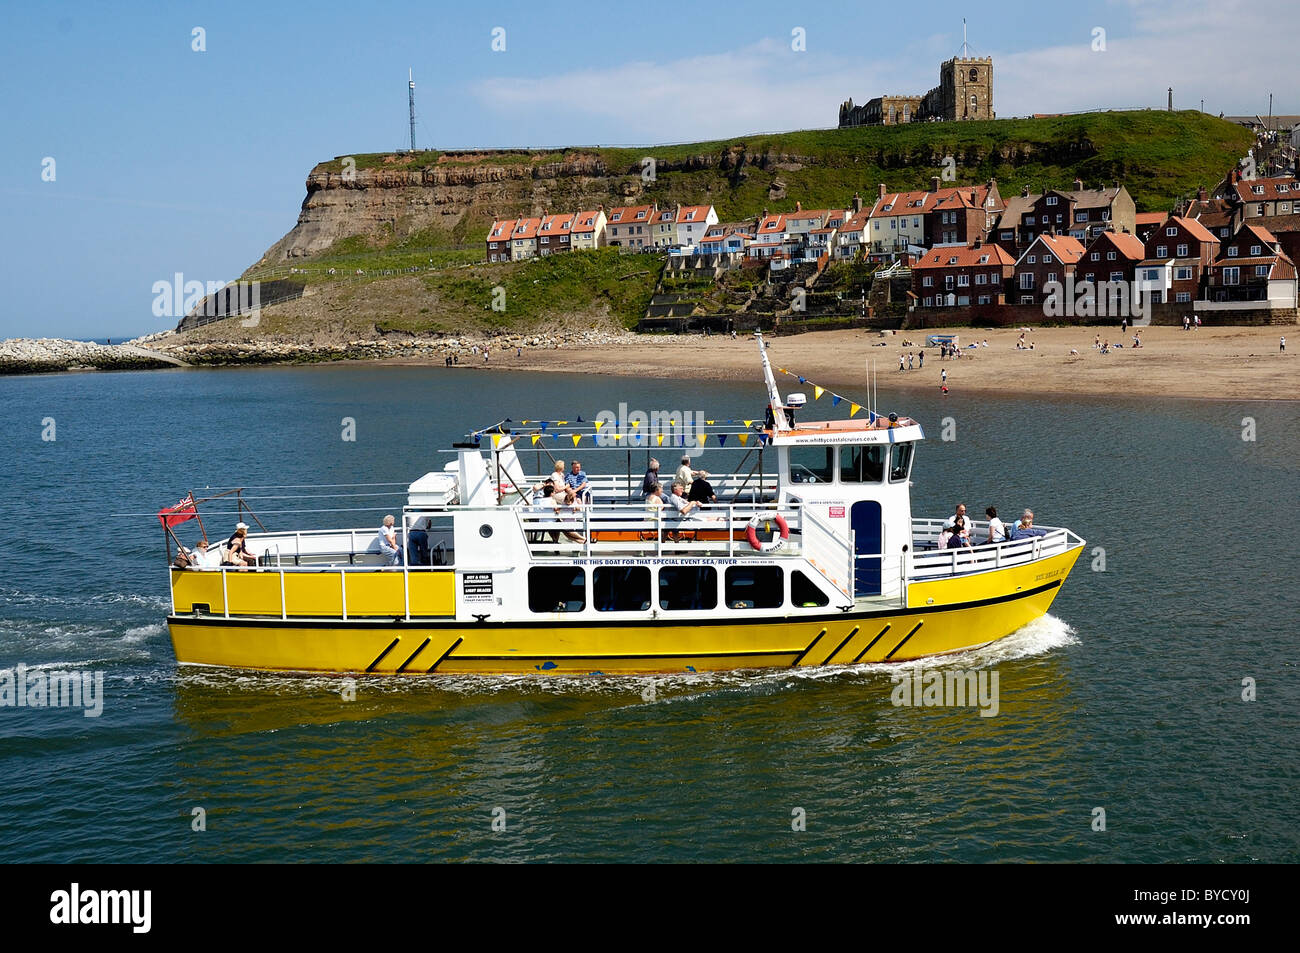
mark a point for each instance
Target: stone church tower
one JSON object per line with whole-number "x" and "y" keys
{"x": 966, "y": 89}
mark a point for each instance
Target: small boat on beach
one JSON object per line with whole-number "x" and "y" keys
{"x": 805, "y": 553}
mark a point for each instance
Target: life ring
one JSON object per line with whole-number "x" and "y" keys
{"x": 765, "y": 520}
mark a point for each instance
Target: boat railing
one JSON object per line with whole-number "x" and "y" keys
{"x": 602, "y": 528}
{"x": 620, "y": 488}
{"x": 359, "y": 548}
{"x": 933, "y": 563}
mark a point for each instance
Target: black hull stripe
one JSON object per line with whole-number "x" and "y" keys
{"x": 380, "y": 657}
{"x": 441, "y": 658}
{"x": 871, "y": 643}
{"x": 442, "y": 622}
{"x": 411, "y": 657}
{"x": 799, "y": 658}
{"x": 915, "y": 628}
{"x": 847, "y": 639}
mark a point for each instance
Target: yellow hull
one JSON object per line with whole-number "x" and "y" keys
{"x": 942, "y": 616}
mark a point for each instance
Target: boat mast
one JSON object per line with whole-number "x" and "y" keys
{"x": 773, "y": 395}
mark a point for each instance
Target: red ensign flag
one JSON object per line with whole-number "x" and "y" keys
{"x": 182, "y": 511}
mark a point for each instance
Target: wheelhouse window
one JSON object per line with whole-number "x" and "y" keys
{"x": 688, "y": 587}
{"x": 621, "y": 588}
{"x": 900, "y": 462}
{"x": 557, "y": 589}
{"x": 755, "y": 587}
{"x": 812, "y": 464}
{"x": 862, "y": 464}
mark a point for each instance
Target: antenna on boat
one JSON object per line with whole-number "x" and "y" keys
{"x": 773, "y": 395}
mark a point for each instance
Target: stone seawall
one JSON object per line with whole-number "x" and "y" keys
{"x": 47, "y": 355}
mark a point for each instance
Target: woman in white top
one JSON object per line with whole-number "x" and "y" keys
{"x": 997, "y": 529}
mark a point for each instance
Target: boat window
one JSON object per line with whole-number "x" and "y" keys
{"x": 900, "y": 462}
{"x": 812, "y": 464}
{"x": 862, "y": 464}
{"x": 621, "y": 588}
{"x": 755, "y": 587}
{"x": 557, "y": 589}
{"x": 804, "y": 593}
{"x": 688, "y": 587}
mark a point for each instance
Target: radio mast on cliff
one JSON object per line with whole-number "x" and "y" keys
{"x": 411, "y": 98}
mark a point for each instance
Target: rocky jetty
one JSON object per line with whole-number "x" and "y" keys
{"x": 44, "y": 355}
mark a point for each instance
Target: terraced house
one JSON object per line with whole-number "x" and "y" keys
{"x": 1081, "y": 213}
{"x": 498, "y": 239}
{"x": 589, "y": 230}
{"x": 1051, "y": 258}
{"x": 1179, "y": 254}
{"x": 555, "y": 235}
{"x": 629, "y": 226}
{"x": 957, "y": 276}
{"x": 1252, "y": 267}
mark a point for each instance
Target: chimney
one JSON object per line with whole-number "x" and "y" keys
{"x": 979, "y": 242}
{"x": 1078, "y": 185}
{"x": 1024, "y": 192}
{"x": 934, "y": 183}
{"x": 882, "y": 190}
{"x": 1200, "y": 194}
{"x": 857, "y": 203}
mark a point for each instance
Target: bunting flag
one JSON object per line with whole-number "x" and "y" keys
{"x": 576, "y": 438}
{"x": 722, "y": 440}
{"x": 744, "y": 439}
{"x": 803, "y": 380}
{"x": 635, "y": 423}
{"x": 661, "y": 440}
{"x": 709, "y": 422}
{"x": 536, "y": 437}
{"x": 835, "y": 400}
{"x": 599, "y": 424}
{"x": 496, "y": 440}
{"x": 703, "y": 437}
{"x": 579, "y": 418}
{"x": 748, "y": 424}
{"x": 618, "y": 436}
{"x": 562, "y": 423}
{"x": 524, "y": 422}
{"x": 544, "y": 426}
{"x": 853, "y": 410}
{"x": 818, "y": 390}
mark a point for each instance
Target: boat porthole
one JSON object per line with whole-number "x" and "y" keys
{"x": 485, "y": 530}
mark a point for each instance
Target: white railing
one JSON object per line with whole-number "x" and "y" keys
{"x": 588, "y": 530}
{"x": 932, "y": 563}
{"x": 620, "y": 488}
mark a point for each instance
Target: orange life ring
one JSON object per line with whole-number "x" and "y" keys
{"x": 765, "y": 520}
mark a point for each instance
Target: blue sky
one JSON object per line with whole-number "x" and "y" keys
{"x": 170, "y": 160}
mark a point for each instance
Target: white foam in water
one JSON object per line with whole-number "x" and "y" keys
{"x": 140, "y": 633}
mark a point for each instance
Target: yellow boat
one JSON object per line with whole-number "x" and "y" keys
{"x": 812, "y": 557}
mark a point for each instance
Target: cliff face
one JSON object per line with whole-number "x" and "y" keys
{"x": 462, "y": 193}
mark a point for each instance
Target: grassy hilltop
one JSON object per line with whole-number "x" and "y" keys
{"x": 1159, "y": 156}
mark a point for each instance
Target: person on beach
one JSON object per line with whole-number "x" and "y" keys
{"x": 1282, "y": 346}
{"x": 910, "y": 355}
{"x": 943, "y": 378}
{"x": 900, "y": 362}
{"x": 1096, "y": 342}
{"x": 920, "y": 361}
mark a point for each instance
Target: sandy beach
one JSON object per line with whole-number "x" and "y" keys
{"x": 1229, "y": 362}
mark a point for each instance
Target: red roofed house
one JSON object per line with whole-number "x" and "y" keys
{"x": 523, "y": 238}
{"x": 771, "y": 229}
{"x": 1148, "y": 222}
{"x": 663, "y": 229}
{"x": 498, "y": 240}
{"x": 1111, "y": 256}
{"x": 629, "y": 226}
{"x": 693, "y": 223}
{"x": 960, "y": 216}
{"x": 589, "y": 230}
{"x": 1252, "y": 267}
{"x": 1049, "y": 259}
{"x": 1180, "y": 252}
{"x": 1259, "y": 198}
{"x": 555, "y": 234}
{"x": 1220, "y": 216}
{"x": 962, "y": 275}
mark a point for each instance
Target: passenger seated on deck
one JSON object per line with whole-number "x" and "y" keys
{"x": 555, "y": 477}
{"x": 545, "y": 502}
{"x": 1026, "y": 528}
{"x": 571, "y": 509}
{"x": 576, "y": 480}
{"x": 388, "y": 542}
{"x": 201, "y": 557}
{"x": 651, "y": 478}
{"x": 702, "y": 492}
{"x": 678, "y": 501}
{"x": 654, "y": 501}
{"x": 997, "y": 529}
{"x": 958, "y": 513}
{"x": 237, "y": 552}
{"x": 959, "y": 535}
